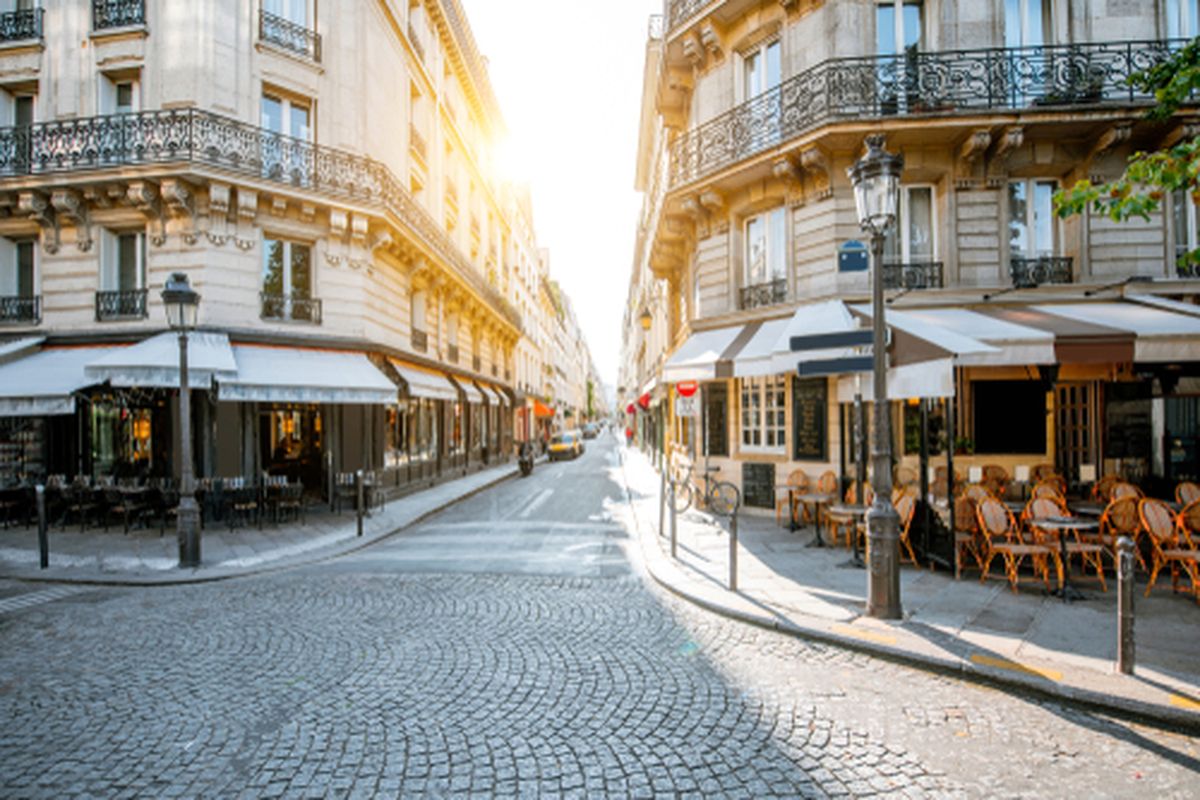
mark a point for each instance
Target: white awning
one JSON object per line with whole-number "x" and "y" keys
{"x": 293, "y": 375}
{"x": 155, "y": 362}
{"x": 951, "y": 341}
{"x": 428, "y": 385}
{"x": 494, "y": 396}
{"x": 1015, "y": 344}
{"x": 925, "y": 379}
{"x": 697, "y": 358}
{"x": 473, "y": 394}
{"x": 43, "y": 383}
{"x": 827, "y": 316}
{"x": 18, "y": 348}
{"x": 1161, "y": 335}
{"x": 755, "y": 357}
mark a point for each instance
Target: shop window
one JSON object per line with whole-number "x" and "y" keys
{"x": 762, "y": 414}
{"x": 1009, "y": 417}
{"x": 716, "y": 413}
{"x": 122, "y": 439}
{"x": 912, "y": 427}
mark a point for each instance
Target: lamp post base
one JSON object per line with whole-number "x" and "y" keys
{"x": 883, "y": 561}
{"x": 188, "y": 531}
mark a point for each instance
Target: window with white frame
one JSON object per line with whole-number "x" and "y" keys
{"x": 120, "y": 94}
{"x": 294, "y": 11}
{"x": 1027, "y": 23}
{"x": 766, "y": 247}
{"x": 1032, "y": 227}
{"x": 287, "y": 280}
{"x": 761, "y": 69}
{"x": 122, "y": 261}
{"x": 1183, "y": 19}
{"x": 17, "y": 266}
{"x": 912, "y": 238}
{"x": 291, "y": 118}
{"x": 1185, "y": 216}
{"x": 892, "y": 39}
{"x": 763, "y": 427}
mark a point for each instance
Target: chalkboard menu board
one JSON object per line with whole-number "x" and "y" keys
{"x": 716, "y": 411}
{"x": 810, "y": 415}
{"x": 758, "y": 485}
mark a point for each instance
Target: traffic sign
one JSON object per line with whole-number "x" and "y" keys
{"x": 687, "y": 406}
{"x": 687, "y": 388}
{"x": 828, "y": 341}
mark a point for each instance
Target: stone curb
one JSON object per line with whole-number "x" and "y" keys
{"x": 173, "y": 578}
{"x": 1126, "y": 708}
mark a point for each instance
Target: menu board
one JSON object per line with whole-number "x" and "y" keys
{"x": 810, "y": 412}
{"x": 758, "y": 485}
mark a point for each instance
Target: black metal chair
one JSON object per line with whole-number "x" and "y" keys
{"x": 79, "y": 500}
{"x": 242, "y": 506}
{"x": 290, "y": 503}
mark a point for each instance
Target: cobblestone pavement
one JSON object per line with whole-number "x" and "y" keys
{"x": 337, "y": 681}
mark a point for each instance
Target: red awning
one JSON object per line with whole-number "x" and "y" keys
{"x": 630, "y": 409}
{"x": 644, "y": 400}
{"x": 540, "y": 409}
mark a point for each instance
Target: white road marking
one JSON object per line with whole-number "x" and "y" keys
{"x": 536, "y": 503}
{"x": 21, "y": 601}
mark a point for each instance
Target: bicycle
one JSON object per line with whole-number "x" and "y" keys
{"x": 719, "y": 497}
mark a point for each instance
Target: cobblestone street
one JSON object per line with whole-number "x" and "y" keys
{"x": 506, "y": 648}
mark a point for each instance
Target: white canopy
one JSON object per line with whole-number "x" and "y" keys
{"x": 429, "y": 385}
{"x": 755, "y": 357}
{"x": 473, "y": 394}
{"x": 925, "y": 379}
{"x": 827, "y": 316}
{"x": 19, "y": 347}
{"x": 44, "y": 383}
{"x": 1162, "y": 335}
{"x": 696, "y": 359}
{"x": 155, "y": 362}
{"x": 293, "y": 375}
{"x": 1012, "y": 344}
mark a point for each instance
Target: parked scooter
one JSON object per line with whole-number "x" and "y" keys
{"x": 525, "y": 459}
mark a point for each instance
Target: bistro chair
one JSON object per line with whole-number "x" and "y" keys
{"x": 904, "y": 501}
{"x": 827, "y": 484}
{"x": 1048, "y": 489}
{"x": 1170, "y": 545}
{"x": 796, "y": 481}
{"x": 345, "y": 491}
{"x": 1102, "y": 489}
{"x": 290, "y": 502}
{"x": 967, "y": 539}
{"x": 836, "y": 523}
{"x": 1121, "y": 518}
{"x": 1002, "y": 536}
{"x": 80, "y": 502}
{"x": 977, "y": 492}
{"x": 1047, "y": 473}
{"x": 127, "y": 505}
{"x": 1090, "y": 552}
{"x": 1125, "y": 489}
{"x": 905, "y": 476}
{"x": 995, "y": 478}
{"x": 241, "y": 503}
{"x": 1187, "y": 492}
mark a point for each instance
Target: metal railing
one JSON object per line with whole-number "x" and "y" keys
{"x": 420, "y": 340}
{"x": 19, "y": 26}
{"x": 120, "y": 304}
{"x": 291, "y": 307}
{"x": 912, "y": 275}
{"x": 289, "y": 35}
{"x": 680, "y": 11}
{"x": 117, "y": 13}
{"x": 916, "y": 84}
{"x": 1034, "y": 271}
{"x": 19, "y": 309}
{"x": 763, "y": 294}
{"x": 192, "y": 137}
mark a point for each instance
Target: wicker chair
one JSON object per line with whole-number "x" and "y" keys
{"x": 1124, "y": 489}
{"x": 1170, "y": 545}
{"x": 827, "y": 484}
{"x": 796, "y": 481}
{"x": 836, "y": 523}
{"x": 1120, "y": 518}
{"x": 977, "y": 491}
{"x": 1090, "y": 552}
{"x": 1048, "y": 489}
{"x": 967, "y": 540}
{"x": 1102, "y": 489}
{"x": 995, "y": 478}
{"x": 1187, "y": 492}
{"x": 1002, "y": 536}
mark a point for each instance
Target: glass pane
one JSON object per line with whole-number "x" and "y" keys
{"x": 920, "y": 224}
{"x": 1012, "y": 23}
{"x": 124, "y": 98}
{"x": 127, "y": 262}
{"x": 777, "y": 250}
{"x": 885, "y": 30}
{"x": 1043, "y": 217}
{"x": 298, "y": 122}
{"x": 273, "y": 267}
{"x": 756, "y": 251}
{"x": 23, "y": 110}
{"x": 25, "y": 269}
{"x": 272, "y": 114}
{"x": 912, "y": 25}
{"x": 892, "y": 250}
{"x": 773, "y": 66}
{"x": 753, "y": 74}
{"x": 1018, "y": 230}
{"x": 301, "y": 270}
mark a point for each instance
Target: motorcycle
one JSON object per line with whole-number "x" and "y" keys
{"x": 525, "y": 459}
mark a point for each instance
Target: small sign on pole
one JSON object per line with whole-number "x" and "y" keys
{"x": 687, "y": 406}
{"x": 852, "y": 256}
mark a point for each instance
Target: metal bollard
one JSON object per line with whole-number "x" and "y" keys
{"x": 358, "y": 499}
{"x": 43, "y": 536}
{"x": 733, "y": 543}
{"x": 671, "y": 500}
{"x": 1125, "y": 645}
{"x": 662, "y": 502}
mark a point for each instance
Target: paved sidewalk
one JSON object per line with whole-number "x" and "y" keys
{"x": 144, "y": 557}
{"x": 981, "y": 631}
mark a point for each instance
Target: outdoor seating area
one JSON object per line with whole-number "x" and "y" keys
{"x": 1023, "y": 530}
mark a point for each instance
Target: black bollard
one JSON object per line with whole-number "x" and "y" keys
{"x": 43, "y": 535}
{"x": 671, "y": 502}
{"x": 733, "y": 544}
{"x": 358, "y": 499}
{"x": 1125, "y": 646}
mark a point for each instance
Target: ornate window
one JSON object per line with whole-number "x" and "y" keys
{"x": 122, "y": 293}
{"x": 914, "y": 235}
{"x": 763, "y": 406}
{"x": 287, "y": 281}
{"x": 761, "y": 69}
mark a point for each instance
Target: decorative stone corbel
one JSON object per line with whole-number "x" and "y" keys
{"x": 693, "y": 50}
{"x": 144, "y": 196}
{"x": 70, "y": 204}
{"x": 218, "y": 214}
{"x": 247, "y": 215}
{"x": 382, "y": 240}
{"x": 1115, "y": 135}
{"x": 1188, "y": 130}
{"x": 359, "y": 228}
{"x": 37, "y": 207}
{"x": 180, "y": 199}
{"x": 970, "y": 155}
{"x": 1010, "y": 139}
{"x": 711, "y": 39}
{"x": 279, "y": 205}
{"x": 814, "y": 161}
{"x": 308, "y": 212}
{"x": 786, "y": 173}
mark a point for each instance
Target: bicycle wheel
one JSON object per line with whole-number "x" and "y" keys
{"x": 683, "y": 497}
{"x": 724, "y": 498}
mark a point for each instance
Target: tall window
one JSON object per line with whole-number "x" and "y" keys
{"x": 762, "y": 418}
{"x": 911, "y": 239}
{"x": 287, "y": 280}
{"x": 123, "y": 261}
{"x": 17, "y": 288}
{"x": 892, "y": 39}
{"x": 1026, "y": 23}
{"x": 291, "y": 118}
{"x": 762, "y": 69}
{"x": 1187, "y": 230}
{"x": 1183, "y": 19}
{"x": 418, "y": 334}
{"x": 292, "y": 10}
{"x": 766, "y": 247}
{"x": 1032, "y": 229}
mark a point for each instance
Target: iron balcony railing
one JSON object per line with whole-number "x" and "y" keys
{"x": 912, "y": 275}
{"x": 289, "y": 35}
{"x": 120, "y": 304}
{"x": 764, "y": 294}
{"x": 1028, "y": 272}
{"x": 290, "y": 307}
{"x": 19, "y": 309}
{"x": 680, "y": 11}
{"x": 916, "y": 84}
{"x": 117, "y": 13}
{"x": 420, "y": 340}
{"x": 195, "y": 138}
{"x": 20, "y": 26}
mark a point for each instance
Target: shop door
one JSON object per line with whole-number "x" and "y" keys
{"x": 1075, "y": 428}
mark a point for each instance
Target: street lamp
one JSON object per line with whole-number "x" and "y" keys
{"x": 183, "y": 304}
{"x": 876, "y": 179}
{"x": 645, "y": 318}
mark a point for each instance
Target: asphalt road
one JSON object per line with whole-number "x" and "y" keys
{"x": 507, "y": 647}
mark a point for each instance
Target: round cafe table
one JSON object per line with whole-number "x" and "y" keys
{"x": 816, "y": 500}
{"x": 1061, "y": 527}
{"x": 851, "y": 512}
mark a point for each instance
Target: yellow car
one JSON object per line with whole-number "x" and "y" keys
{"x": 568, "y": 444}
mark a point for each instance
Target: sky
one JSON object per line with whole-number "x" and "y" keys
{"x": 568, "y": 77}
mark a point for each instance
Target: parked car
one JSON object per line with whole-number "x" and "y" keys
{"x": 567, "y": 444}
{"x": 590, "y": 431}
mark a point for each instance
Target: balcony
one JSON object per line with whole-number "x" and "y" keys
{"x": 763, "y": 294}
{"x": 120, "y": 304}
{"x": 108, "y": 14}
{"x": 21, "y": 310}
{"x": 289, "y": 308}
{"x": 420, "y": 340}
{"x": 189, "y": 138}
{"x": 289, "y": 35}
{"x": 916, "y": 85}
{"x": 1030, "y": 272}
{"x": 911, "y": 275}
{"x": 680, "y": 11}
{"x": 21, "y": 26}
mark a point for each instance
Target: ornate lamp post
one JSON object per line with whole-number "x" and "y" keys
{"x": 183, "y": 304}
{"x": 876, "y": 179}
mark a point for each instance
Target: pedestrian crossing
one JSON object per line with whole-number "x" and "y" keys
{"x": 30, "y": 599}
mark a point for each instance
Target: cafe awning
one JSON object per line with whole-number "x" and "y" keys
{"x": 494, "y": 396}
{"x": 18, "y": 348}
{"x": 44, "y": 383}
{"x": 1013, "y": 344}
{"x": 824, "y": 317}
{"x": 296, "y": 375}
{"x": 923, "y": 379}
{"x": 754, "y": 357}
{"x": 1160, "y": 335}
{"x": 154, "y": 362}
{"x": 425, "y": 383}
{"x": 473, "y": 395}
{"x": 698, "y": 357}
{"x": 542, "y": 410}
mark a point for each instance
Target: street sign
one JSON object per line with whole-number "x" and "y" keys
{"x": 852, "y": 256}
{"x": 687, "y": 388}
{"x": 835, "y": 366}
{"x": 687, "y": 406}
{"x": 829, "y": 341}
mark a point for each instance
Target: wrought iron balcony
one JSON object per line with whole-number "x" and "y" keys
{"x": 290, "y": 307}
{"x": 915, "y": 84}
{"x": 117, "y": 13}
{"x": 191, "y": 137}
{"x": 1029, "y": 272}
{"x": 764, "y": 294}
{"x": 680, "y": 11}
{"x": 420, "y": 340}
{"x": 17, "y": 310}
{"x": 20, "y": 26}
{"x": 912, "y": 275}
{"x": 120, "y": 304}
{"x": 289, "y": 35}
